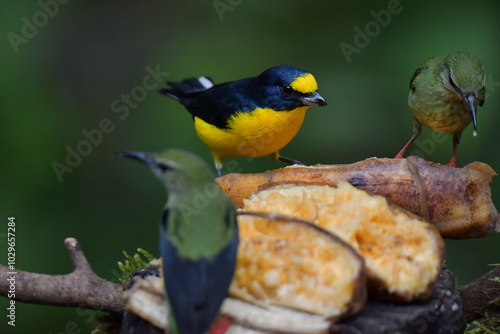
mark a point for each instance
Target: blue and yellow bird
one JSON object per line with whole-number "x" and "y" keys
{"x": 250, "y": 117}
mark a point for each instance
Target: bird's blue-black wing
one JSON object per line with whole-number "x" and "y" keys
{"x": 215, "y": 104}
{"x": 196, "y": 290}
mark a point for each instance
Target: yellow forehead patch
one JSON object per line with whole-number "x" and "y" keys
{"x": 305, "y": 83}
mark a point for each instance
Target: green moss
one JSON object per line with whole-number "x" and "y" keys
{"x": 486, "y": 325}
{"x": 139, "y": 260}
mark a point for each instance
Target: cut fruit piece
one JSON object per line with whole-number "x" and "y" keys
{"x": 293, "y": 263}
{"x": 403, "y": 253}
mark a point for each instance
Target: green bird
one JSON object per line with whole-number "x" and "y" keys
{"x": 198, "y": 239}
{"x": 445, "y": 92}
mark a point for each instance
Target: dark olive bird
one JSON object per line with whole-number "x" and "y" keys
{"x": 445, "y": 92}
{"x": 251, "y": 117}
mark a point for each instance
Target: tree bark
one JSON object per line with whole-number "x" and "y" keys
{"x": 80, "y": 288}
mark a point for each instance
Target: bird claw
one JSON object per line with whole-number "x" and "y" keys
{"x": 452, "y": 163}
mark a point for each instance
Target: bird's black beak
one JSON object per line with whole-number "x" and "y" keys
{"x": 314, "y": 99}
{"x": 472, "y": 102}
{"x": 144, "y": 157}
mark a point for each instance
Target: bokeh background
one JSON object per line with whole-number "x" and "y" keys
{"x": 79, "y": 64}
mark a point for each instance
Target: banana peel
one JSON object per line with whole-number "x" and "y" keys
{"x": 456, "y": 200}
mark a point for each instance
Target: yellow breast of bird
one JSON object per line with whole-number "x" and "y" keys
{"x": 252, "y": 134}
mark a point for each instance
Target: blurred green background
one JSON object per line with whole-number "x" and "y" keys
{"x": 78, "y": 66}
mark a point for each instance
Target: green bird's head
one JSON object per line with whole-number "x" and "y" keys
{"x": 463, "y": 75}
{"x": 177, "y": 169}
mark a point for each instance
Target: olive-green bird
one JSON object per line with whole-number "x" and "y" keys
{"x": 445, "y": 92}
{"x": 198, "y": 239}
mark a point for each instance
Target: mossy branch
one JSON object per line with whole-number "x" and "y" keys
{"x": 482, "y": 296}
{"x": 80, "y": 288}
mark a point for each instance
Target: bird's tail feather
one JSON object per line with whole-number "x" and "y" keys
{"x": 186, "y": 87}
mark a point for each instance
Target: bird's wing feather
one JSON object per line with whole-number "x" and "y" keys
{"x": 187, "y": 87}
{"x": 417, "y": 72}
{"x": 215, "y": 104}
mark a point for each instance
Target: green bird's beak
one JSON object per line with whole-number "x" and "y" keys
{"x": 314, "y": 99}
{"x": 471, "y": 101}
{"x": 144, "y": 157}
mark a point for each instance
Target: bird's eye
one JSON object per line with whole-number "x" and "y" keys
{"x": 163, "y": 167}
{"x": 287, "y": 90}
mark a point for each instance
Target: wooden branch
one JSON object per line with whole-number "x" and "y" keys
{"x": 83, "y": 288}
{"x": 479, "y": 295}
{"x": 80, "y": 288}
